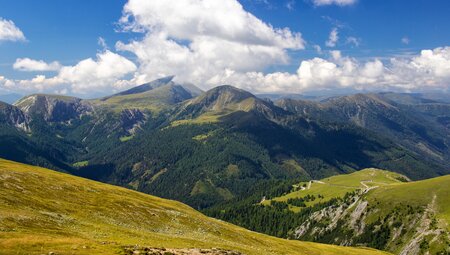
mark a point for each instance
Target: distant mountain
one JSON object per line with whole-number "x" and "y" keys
{"x": 10, "y": 98}
{"x": 154, "y": 96}
{"x": 124, "y": 221}
{"x": 226, "y": 99}
{"x": 419, "y": 124}
{"x": 54, "y": 108}
{"x": 275, "y": 97}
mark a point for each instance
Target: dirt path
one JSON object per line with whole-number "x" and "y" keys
{"x": 368, "y": 188}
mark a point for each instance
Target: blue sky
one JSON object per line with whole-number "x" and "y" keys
{"x": 367, "y": 31}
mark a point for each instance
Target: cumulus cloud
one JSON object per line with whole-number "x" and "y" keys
{"x": 102, "y": 72}
{"x": 9, "y": 31}
{"x": 334, "y": 2}
{"x": 30, "y": 65}
{"x": 196, "y": 39}
{"x": 428, "y": 70}
{"x": 332, "y": 38}
{"x": 87, "y": 76}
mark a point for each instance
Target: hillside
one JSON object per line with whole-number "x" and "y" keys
{"x": 154, "y": 96}
{"x": 375, "y": 208}
{"x": 410, "y": 120}
{"x": 339, "y": 185}
{"x": 49, "y": 212}
{"x": 371, "y": 207}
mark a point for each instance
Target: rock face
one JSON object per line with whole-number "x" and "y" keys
{"x": 163, "y": 251}
{"x": 403, "y": 231}
{"x": 132, "y": 120}
{"x": 54, "y": 108}
{"x": 13, "y": 116}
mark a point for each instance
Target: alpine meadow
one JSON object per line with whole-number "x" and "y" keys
{"x": 225, "y": 127}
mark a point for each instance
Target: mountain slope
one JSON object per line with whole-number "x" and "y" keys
{"x": 49, "y": 212}
{"x": 371, "y": 207}
{"x": 417, "y": 124}
{"x": 54, "y": 108}
{"x": 225, "y": 99}
{"x": 14, "y": 117}
{"x": 378, "y": 209}
{"x": 154, "y": 96}
{"x": 339, "y": 185}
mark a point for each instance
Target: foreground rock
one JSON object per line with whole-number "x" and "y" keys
{"x": 164, "y": 251}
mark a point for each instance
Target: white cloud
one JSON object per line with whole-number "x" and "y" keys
{"x": 26, "y": 64}
{"x": 290, "y": 5}
{"x": 334, "y": 2}
{"x": 405, "y": 40}
{"x": 427, "y": 71}
{"x": 102, "y": 43}
{"x": 86, "y": 77}
{"x": 333, "y": 38}
{"x": 318, "y": 49}
{"x": 195, "y": 39}
{"x": 9, "y": 31}
{"x": 354, "y": 41}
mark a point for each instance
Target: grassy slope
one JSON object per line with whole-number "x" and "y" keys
{"x": 339, "y": 185}
{"x": 43, "y": 210}
{"x": 391, "y": 199}
{"x": 153, "y": 100}
{"x": 418, "y": 193}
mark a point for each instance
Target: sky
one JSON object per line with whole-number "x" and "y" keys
{"x": 93, "y": 48}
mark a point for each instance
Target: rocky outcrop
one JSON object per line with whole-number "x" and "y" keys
{"x": 353, "y": 221}
{"x": 132, "y": 120}
{"x": 54, "y": 108}
{"x": 164, "y": 251}
{"x": 13, "y": 116}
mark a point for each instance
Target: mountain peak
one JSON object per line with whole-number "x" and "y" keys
{"x": 226, "y": 99}
{"x": 154, "y": 96}
{"x": 222, "y": 97}
{"x": 227, "y": 93}
{"x": 144, "y": 87}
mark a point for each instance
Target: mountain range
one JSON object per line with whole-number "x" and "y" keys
{"x": 205, "y": 148}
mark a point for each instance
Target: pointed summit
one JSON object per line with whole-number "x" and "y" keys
{"x": 144, "y": 87}
{"x": 154, "y": 96}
